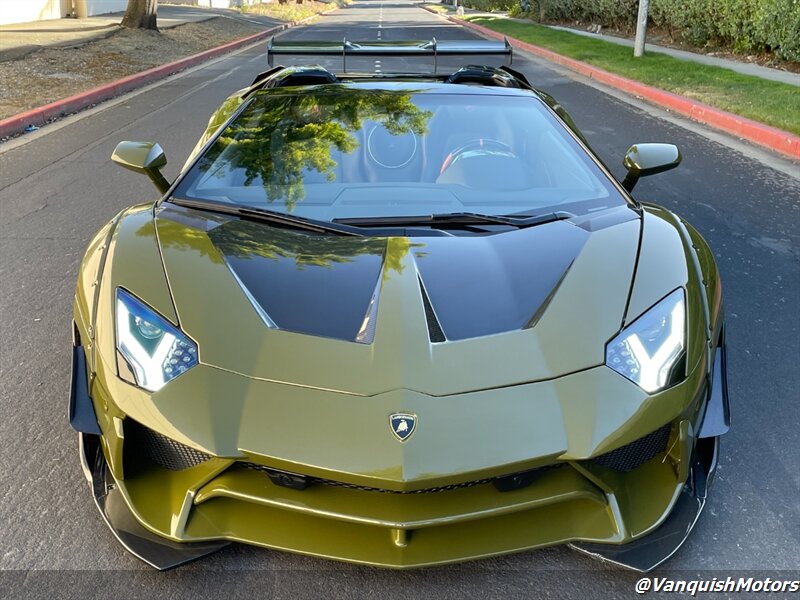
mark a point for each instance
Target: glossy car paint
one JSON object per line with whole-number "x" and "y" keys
{"x": 317, "y": 404}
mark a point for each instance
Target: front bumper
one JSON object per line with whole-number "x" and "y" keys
{"x": 563, "y": 505}
{"x": 636, "y": 518}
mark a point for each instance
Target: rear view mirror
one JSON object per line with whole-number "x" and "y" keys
{"x": 642, "y": 160}
{"x": 143, "y": 157}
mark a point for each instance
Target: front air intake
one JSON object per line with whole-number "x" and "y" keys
{"x": 633, "y": 455}
{"x": 144, "y": 446}
{"x": 296, "y": 481}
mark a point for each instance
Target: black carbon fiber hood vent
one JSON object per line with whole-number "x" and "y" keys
{"x": 471, "y": 286}
{"x": 435, "y": 332}
{"x": 314, "y": 284}
{"x": 484, "y": 285}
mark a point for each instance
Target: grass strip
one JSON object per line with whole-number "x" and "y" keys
{"x": 770, "y": 102}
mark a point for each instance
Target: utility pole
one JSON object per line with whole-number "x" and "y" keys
{"x": 641, "y": 28}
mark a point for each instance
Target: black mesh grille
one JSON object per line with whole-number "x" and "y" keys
{"x": 430, "y": 490}
{"x": 503, "y": 484}
{"x": 158, "y": 449}
{"x": 435, "y": 332}
{"x": 638, "y": 452}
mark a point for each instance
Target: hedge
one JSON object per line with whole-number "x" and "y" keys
{"x": 743, "y": 25}
{"x": 486, "y": 5}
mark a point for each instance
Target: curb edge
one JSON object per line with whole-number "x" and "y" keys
{"x": 42, "y": 114}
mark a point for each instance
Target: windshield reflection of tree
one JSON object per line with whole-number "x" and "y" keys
{"x": 278, "y": 137}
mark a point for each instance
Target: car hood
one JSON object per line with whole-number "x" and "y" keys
{"x": 368, "y": 315}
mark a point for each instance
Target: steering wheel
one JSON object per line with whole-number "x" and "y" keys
{"x": 477, "y": 145}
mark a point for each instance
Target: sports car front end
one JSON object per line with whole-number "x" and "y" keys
{"x": 397, "y": 399}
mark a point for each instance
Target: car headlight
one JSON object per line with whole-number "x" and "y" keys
{"x": 648, "y": 349}
{"x": 156, "y": 350}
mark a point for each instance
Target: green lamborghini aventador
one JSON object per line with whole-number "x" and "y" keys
{"x": 398, "y": 320}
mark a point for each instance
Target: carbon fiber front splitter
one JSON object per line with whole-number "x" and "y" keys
{"x": 155, "y": 550}
{"x": 648, "y": 552}
{"x": 642, "y": 555}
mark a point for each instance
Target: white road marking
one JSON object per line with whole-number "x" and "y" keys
{"x": 380, "y": 27}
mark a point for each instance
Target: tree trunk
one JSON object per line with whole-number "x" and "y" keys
{"x": 141, "y": 14}
{"x": 641, "y": 29}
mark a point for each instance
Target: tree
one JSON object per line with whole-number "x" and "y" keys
{"x": 141, "y": 14}
{"x": 641, "y": 29}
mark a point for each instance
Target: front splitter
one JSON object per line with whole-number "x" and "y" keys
{"x": 642, "y": 555}
{"x": 648, "y": 552}
{"x": 155, "y": 550}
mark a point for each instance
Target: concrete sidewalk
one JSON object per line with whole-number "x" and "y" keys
{"x": 734, "y": 65}
{"x": 19, "y": 39}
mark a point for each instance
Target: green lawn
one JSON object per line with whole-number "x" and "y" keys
{"x": 770, "y": 102}
{"x": 440, "y": 8}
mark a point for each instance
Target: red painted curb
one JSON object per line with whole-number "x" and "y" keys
{"x": 764, "y": 135}
{"x": 42, "y": 114}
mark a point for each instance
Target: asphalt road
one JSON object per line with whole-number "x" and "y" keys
{"x": 57, "y": 187}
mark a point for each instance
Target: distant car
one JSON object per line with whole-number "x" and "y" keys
{"x": 398, "y": 320}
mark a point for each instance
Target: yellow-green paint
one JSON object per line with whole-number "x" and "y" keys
{"x": 319, "y": 407}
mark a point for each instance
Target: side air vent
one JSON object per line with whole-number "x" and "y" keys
{"x": 143, "y": 446}
{"x": 435, "y": 332}
{"x": 638, "y": 452}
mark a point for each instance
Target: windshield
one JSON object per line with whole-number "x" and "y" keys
{"x": 337, "y": 154}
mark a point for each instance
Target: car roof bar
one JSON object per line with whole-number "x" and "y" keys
{"x": 433, "y": 47}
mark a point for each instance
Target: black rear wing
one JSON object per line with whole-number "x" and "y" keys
{"x": 434, "y": 48}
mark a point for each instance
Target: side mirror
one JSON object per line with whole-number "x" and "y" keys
{"x": 642, "y": 160}
{"x": 143, "y": 157}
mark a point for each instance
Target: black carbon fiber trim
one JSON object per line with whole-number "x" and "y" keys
{"x": 158, "y": 449}
{"x": 430, "y": 490}
{"x": 292, "y": 480}
{"x": 435, "y": 332}
{"x": 633, "y": 455}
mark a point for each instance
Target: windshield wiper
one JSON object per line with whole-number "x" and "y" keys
{"x": 271, "y": 216}
{"x": 458, "y": 219}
